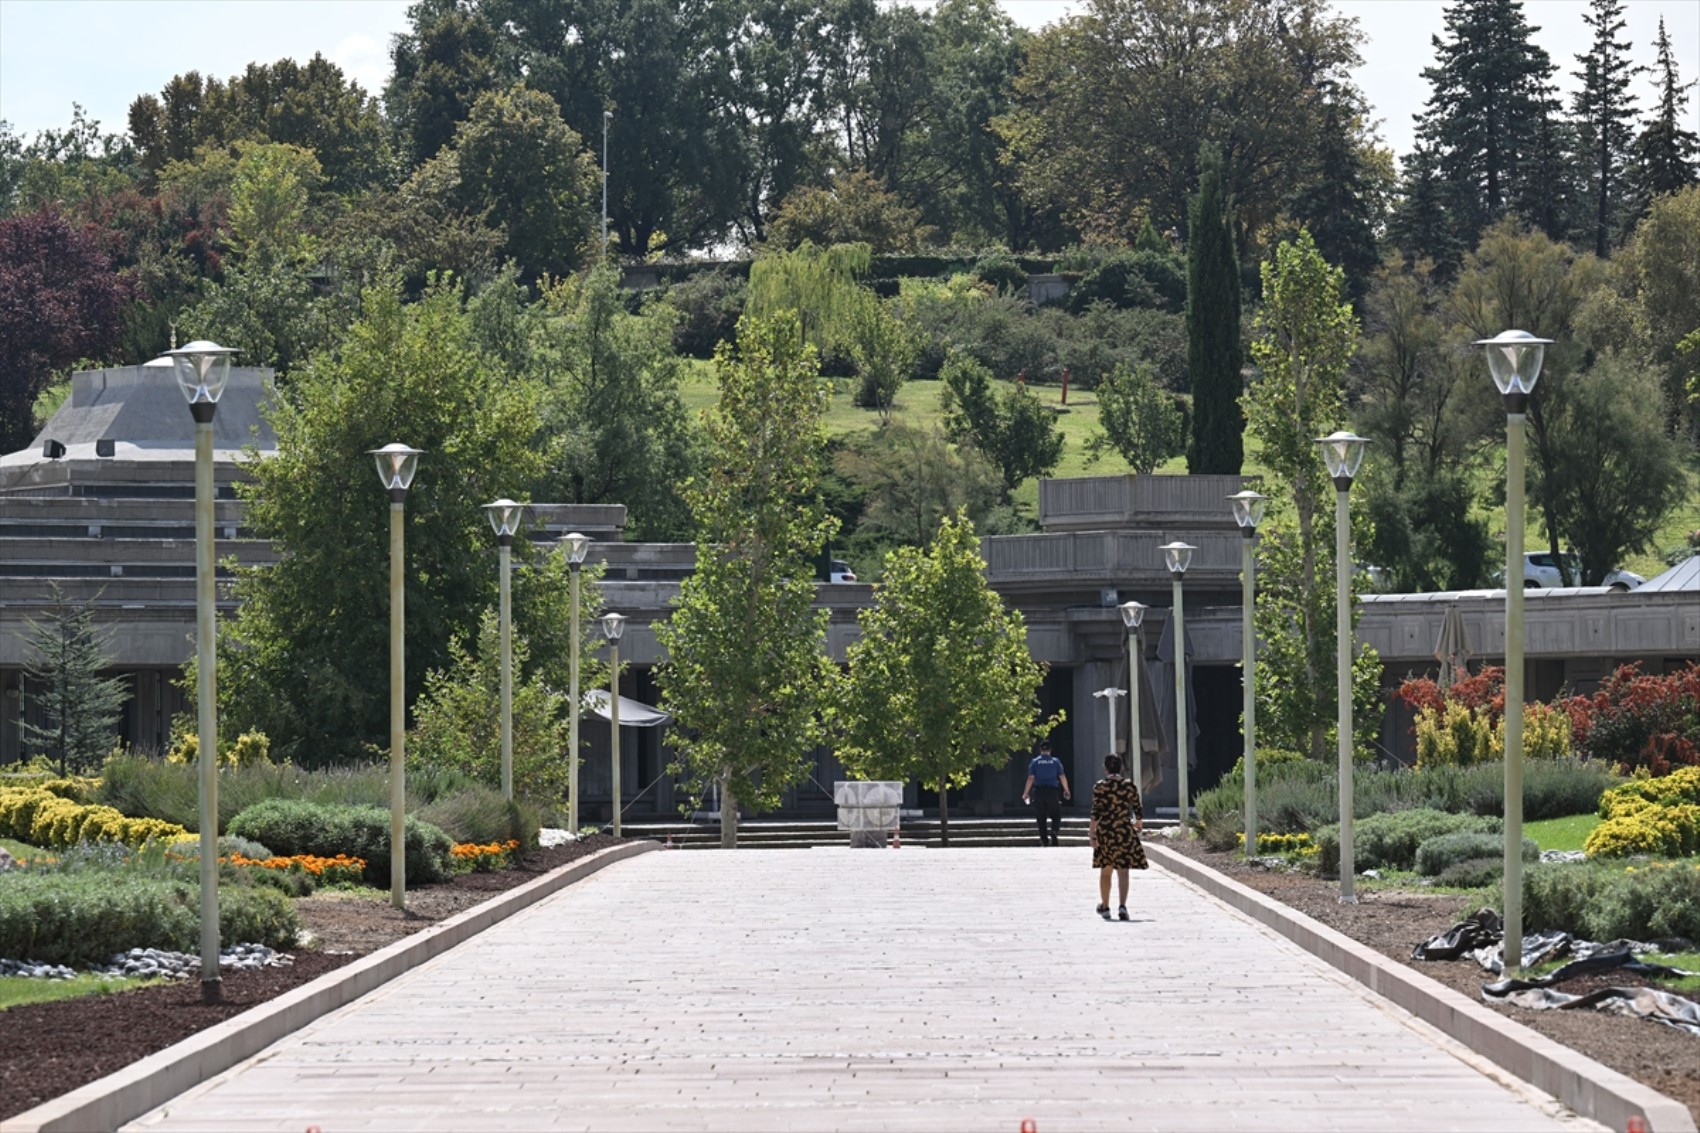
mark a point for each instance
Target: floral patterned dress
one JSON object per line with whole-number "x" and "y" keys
{"x": 1113, "y": 800}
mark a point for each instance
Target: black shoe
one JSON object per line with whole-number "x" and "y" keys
{"x": 1104, "y": 911}
{"x": 1121, "y": 914}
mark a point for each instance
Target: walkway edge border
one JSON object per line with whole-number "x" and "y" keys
{"x": 124, "y": 1095}
{"x": 1591, "y": 1088}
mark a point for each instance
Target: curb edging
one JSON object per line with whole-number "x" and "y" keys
{"x": 126, "y": 1094}
{"x": 1590, "y": 1088}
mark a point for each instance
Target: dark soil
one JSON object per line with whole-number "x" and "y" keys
{"x": 48, "y": 1049}
{"x": 1394, "y": 921}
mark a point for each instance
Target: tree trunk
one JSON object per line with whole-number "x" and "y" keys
{"x": 944, "y": 815}
{"x": 728, "y": 816}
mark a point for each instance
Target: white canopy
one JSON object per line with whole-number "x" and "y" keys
{"x": 633, "y": 713}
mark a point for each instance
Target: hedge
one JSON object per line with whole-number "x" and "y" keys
{"x": 294, "y": 826}
{"x": 38, "y": 816}
{"x": 1440, "y": 853}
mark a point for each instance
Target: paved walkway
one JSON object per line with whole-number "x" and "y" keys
{"x": 861, "y": 990}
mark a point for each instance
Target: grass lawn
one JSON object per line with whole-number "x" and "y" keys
{"x": 1561, "y": 833}
{"x": 22, "y": 851}
{"x": 16, "y": 991}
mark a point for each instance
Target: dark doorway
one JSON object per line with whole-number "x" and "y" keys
{"x": 1220, "y": 742}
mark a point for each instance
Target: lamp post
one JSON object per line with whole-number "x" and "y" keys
{"x": 1110, "y": 694}
{"x": 607, "y": 117}
{"x": 1132, "y": 614}
{"x": 1342, "y": 452}
{"x": 396, "y": 465}
{"x": 1248, "y": 513}
{"x": 202, "y": 369}
{"x": 504, "y": 520}
{"x": 1514, "y": 359}
{"x": 576, "y": 546}
{"x": 612, "y": 625}
{"x": 1177, "y": 556}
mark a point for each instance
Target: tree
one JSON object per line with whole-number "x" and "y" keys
{"x": 940, "y": 682}
{"x": 306, "y": 661}
{"x": 1017, "y": 434}
{"x": 613, "y": 425}
{"x": 747, "y": 676}
{"x": 1112, "y": 106}
{"x": 884, "y": 350}
{"x": 1622, "y": 473}
{"x": 79, "y": 708}
{"x": 1345, "y": 204}
{"x": 1664, "y": 160}
{"x": 517, "y": 165}
{"x": 817, "y": 284}
{"x": 1488, "y": 108}
{"x": 1213, "y": 327}
{"x": 1304, "y": 339}
{"x": 60, "y": 302}
{"x": 911, "y": 479}
{"x": 1138, "y": 420}
{"x": 1605, "y": 111}
{"x": 854, "y": 209}
{"x": 441, "y": 66}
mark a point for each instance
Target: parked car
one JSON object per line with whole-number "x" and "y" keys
{"x": 1540, "y": 569}
{"x": 840, "y": 572}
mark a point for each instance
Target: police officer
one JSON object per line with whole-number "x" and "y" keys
{"x": 1046, "y": 781}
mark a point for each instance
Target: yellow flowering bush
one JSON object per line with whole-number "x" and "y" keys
{"x": 1267, "y": 843}
{"x": 476, "y": 858}
{"x": 38, "y": 816}
{"x": 1546, "y": 733}
{"x": 1453, "y": 736}
{"x": 251, "y": 749}
{"x": 1661, "y": 831}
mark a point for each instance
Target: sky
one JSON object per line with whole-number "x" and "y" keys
{"x": 103, "y": 53}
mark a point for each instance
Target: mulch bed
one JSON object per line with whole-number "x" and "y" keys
{"x": 1393, "y": 922}
{"x": 49, "y": 1049}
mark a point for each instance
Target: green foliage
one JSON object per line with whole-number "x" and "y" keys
{"x": 1456, "y": 736}
{"x": 1140, "y": 422}
{"x": 79, "y": 708}
{"x": 1390, "y": 841}
{"x": 884, "y": 351}
{"x": 940, "y": 682}
{"x": 1443, "y": 851}
{"x": 854, "y": 209}
{"x": 1017, "y": 434}
{"x": 1611, "y": 902}
{"x": 910, "y": 479}
{"x": 483, "y": 816}
{"x": 708, "y": 305}
{"x": 817, "y": 284}
{"x": 1472, "y": 873}
{"x": 306, "y": 659}
{"x": 1213, "y": 326}
{"x": 1144, "y": 277}
{"x": 294, "y": 826}
{"x": 747, "y": 677}
{"x": 457, "y": 721}
{"x": 84, "y": 917}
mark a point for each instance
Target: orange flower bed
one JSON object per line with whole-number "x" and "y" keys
{"x": 326, "y": 871}
{"x": 471, "y": 856}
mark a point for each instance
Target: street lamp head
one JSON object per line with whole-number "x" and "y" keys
{"x": 1514, "y": 359}
{"x": 1248, "y": 509}
{"x": 1342, "y": 452}
{"x": 576, "y": 546}
{"x": 607, "y": 115}
{"x": 396, "y": 465}
{"x": 1177, "y": 556}
{"x": 202, "y": 369}
{"x": 1132, "y": 614}
{"x": 613, "y": 625}
{"x": 504, "y": 518}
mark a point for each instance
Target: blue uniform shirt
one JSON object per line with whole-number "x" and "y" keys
{"x": 1046, "y": 770}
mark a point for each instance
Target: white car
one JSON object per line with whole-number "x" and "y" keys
{"x": 840, "y": 572}
{"x": 1540, "y": 569}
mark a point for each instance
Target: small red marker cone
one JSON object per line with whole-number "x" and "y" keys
{"x": 1028, "y": 1125}
{"x": 896, "y": 840}
{"x": 1637, "y": 1124}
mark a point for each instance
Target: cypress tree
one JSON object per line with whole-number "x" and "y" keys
{"x": 1213, "y": 359}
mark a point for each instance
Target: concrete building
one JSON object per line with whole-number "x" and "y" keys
{"x": 101, "y": 505}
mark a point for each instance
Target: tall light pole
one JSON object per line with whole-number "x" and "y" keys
{"x": 504, "y": 519}
{"x": 396, "y": 465}
{"x": 612, "y": 625}
{"x": 576, "y": 546}
{"x": 1342, "y": 452}
{"x": 1110, "y": 694}
{"x": 202, "y": 369}
{"x": 1248, "y": 513}
{"x": 1132, "y": 614}
{"x": 1514, "y": 359}
{"x": 607, "y": 117}
{"x": 1177, "y": 556}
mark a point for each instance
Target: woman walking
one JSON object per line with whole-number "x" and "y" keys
{"x": 1117, "y": 819}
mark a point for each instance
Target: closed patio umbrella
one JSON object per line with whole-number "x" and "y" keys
{"x": 1453, "y": 649}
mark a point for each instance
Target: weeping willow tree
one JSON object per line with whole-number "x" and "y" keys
{"x": 819, "y": 284}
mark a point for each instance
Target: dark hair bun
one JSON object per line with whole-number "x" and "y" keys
{"x": 1113, "y": 764}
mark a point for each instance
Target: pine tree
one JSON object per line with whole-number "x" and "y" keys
{"x": 1485, "y": 117}
{"x": 1213, "y": 360}
{"x": 80, "y": 709}
{"x": 1665, "y": 152}
{"x": 1340, "y": 205}
{"x": 1421, "y": 224}
{"x": 1604, "y": 110}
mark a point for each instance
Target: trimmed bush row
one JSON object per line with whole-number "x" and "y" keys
{"x": 1439, "y": 854}
{"x": 1655, "y": 901}
{"x": 38, "y": 816}
{"x": 84, "y": 918}
{"x": 294, "y": 826}
{"x": 1391, "y": 841}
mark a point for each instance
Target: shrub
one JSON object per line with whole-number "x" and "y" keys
{"x": 1661, "y": 831}
{"x": 294, "y": 826}
{"x": 999, "y": 270}
{"x": 230, "y": 845}
{"x": 1390, "y": 841}
{"x": 478, "y": 814}
{"x": 252, "y": 914}
{"x": 1453, "y": 736}
{"x": 41, "y": 818}
{"x": 1472, "y": 873}
{"x": 1601, "y": 902}
{"x": 1641, "y": 721}
{"x": 1435, "y": 855}
{"x": 708, "y": 304}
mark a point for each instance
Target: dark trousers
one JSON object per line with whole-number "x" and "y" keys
{"x": 1047, "y": 803}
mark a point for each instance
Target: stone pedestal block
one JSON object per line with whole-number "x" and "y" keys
{"x": 868, "y": 810}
